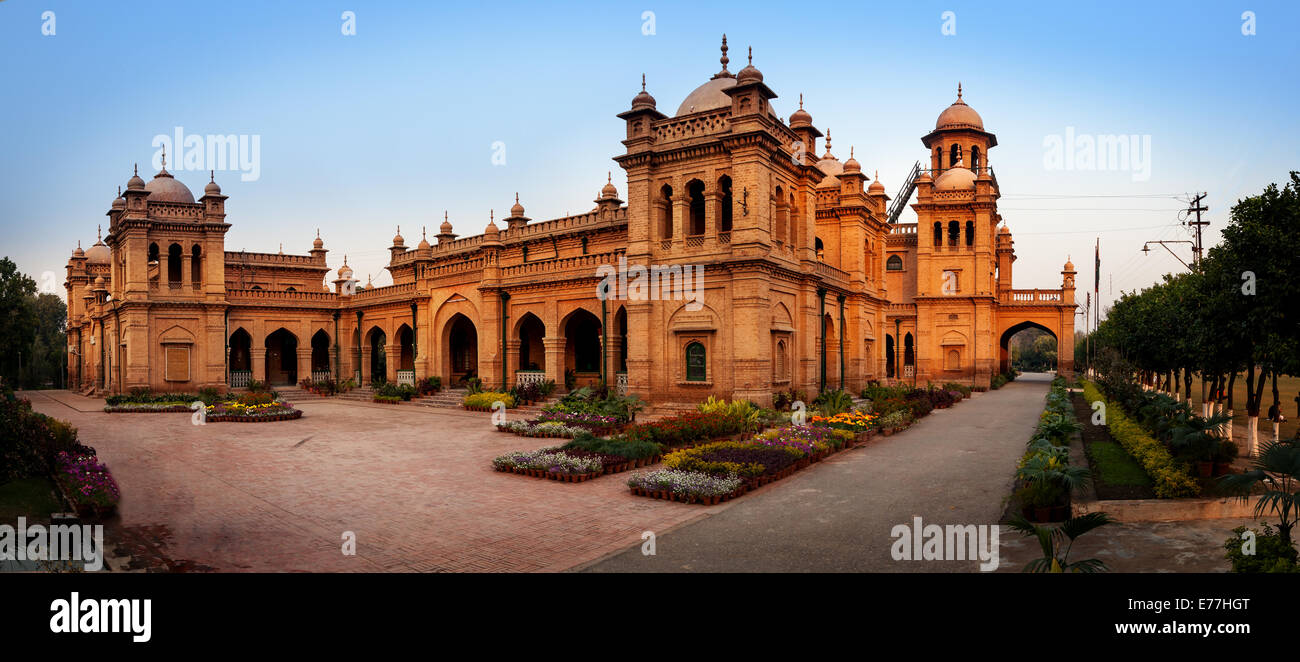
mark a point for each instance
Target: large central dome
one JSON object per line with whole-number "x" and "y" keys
{"x": 165, "y": 188}
{"x": 709, "y": 96}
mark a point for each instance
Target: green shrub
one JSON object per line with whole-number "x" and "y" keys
{"x": 1272, "y": 553}
{"x": 486, "y": 399}
{"x": 1169, "y": 477}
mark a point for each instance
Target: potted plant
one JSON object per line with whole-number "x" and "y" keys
{"x": 1223, "y": 459}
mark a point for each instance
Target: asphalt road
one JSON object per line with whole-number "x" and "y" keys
{"x": 953, "y": 467}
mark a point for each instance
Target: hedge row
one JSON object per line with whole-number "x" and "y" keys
{"x": 1169, "y": 477}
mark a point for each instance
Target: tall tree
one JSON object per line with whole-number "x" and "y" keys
{"x": 17, "y": 319}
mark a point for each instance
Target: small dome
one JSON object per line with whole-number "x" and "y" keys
{"x": 317, "y": 243}
{"x": 1069, "y": 266}
{"x": 397, "y": 238}
{"x": 135, "y": 183}
{"x": 119, "y": 202}
{"x": 643, "y": 99}
{"x": 1004, "y": 229}
{"x": 608, "y": 191}
{"x": 959, "y": 116}
{"x": 491, "y": 229}
{"x": 517, "y": 210}
{"x": 852, "y": 164}
{"x": 424, "y": 243}
{"x": 876, "y": 186}
{"x": 99, "y": 282}
{"x": 345, "y": 271}
{"x": 77, "y": 252}
{"x": 955, "y": 179}
{"x": 750, "y": 74}
{"x": 800, "y": 118}
{"x": 212, "y": 187}
{"x": 445, "y": 228}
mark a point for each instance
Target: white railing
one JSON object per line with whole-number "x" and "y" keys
{"x": 320, "y": 376}
{"x": 356, "y": 378}
{"x": 240, "y": 378}
{"x": 406, "y": 377}
{"x": 529, "y": 377}
{"x": 620, "y": 383}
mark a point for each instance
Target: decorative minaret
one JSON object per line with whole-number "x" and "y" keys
{"x": 516, "y": 218}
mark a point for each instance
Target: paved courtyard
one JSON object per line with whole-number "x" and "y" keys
{"x": 416, "y": 486}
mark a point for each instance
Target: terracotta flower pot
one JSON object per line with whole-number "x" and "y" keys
{"x": 1222, "y": 468}
{"x": 1042, "y": 513}
{"x": 1204, "y": 469}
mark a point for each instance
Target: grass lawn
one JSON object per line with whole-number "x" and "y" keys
{"x": 32, "y": 498}
{"x": 1115, "y": 466}
{"x": 1287, "y": 390}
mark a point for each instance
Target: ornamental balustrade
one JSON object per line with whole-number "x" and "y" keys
{"x": 620, "y": 383}
{"x": 523, "y": 377}
{"x": 240, "y": 378}
{"x": 406, "y": 377}
{"x": 320, "y": 376}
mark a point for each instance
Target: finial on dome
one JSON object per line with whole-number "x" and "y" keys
{"x": 318, "y": 233}
{"x": 135, "y": 169}
{"x": 164, "y": 157}
{"x": 801, "y": 101}
{"x": 643, "y": 82}
{"x": 850, "y": 151}
{"x": 99, "y": 233}
{"x": 724, "y": 58}
{"x": 751, "y": 55}
{"x": 424, "y": 233}
{"x": 958, "y": 89}
{"x": 119, "y": 191}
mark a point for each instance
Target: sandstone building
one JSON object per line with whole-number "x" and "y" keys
{"x": 808, "y": 281}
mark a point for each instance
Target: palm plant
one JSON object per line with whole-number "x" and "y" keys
{"x": 1194, "y": 435}
{"x": 1056, "y": 542}
{"x": 1277, "y": 468}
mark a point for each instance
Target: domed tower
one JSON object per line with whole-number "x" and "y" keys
{"x": 959, "y": 138}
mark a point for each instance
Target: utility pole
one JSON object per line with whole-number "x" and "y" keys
{"x": 1197, "y": 208}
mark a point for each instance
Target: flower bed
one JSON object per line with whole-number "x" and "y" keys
{"x": 234, "y": 412}
{"x": 685, "y": 429}
{"x": 853, "y": 421}
{"x": 550, "y": 463}
{"x": 596, "y": 423}
{"x": 87, "y": 485}
{"x": 544, "y": 429}
{"x": 686, "y": 486}
{"x": 148, "y": 408}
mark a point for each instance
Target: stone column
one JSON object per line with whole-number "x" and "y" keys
{"x": 304, "y": 363}
{"x": 512, "y": 360}
{"x": 257, "y": 358}
{"x": 554, "y": 359}
{"x": 185, "y": 270}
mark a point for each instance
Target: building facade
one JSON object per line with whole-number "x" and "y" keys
{"x": 740, "y": 265}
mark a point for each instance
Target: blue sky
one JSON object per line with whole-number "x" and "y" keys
{"x": 396, "y": 124}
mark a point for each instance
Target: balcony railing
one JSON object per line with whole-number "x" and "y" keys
{"x": 620, "y": 382}
{"x": 523, "y": 377}
{"x": 240, "y": 378}
{"x": 320, "y": 376}
{"x": 406, "y": 377}
{"x": 1030, "y": 297}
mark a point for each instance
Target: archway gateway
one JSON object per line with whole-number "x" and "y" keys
{"x": 378, "y": 344}
{"x": 1004, "y": 343}
{"x": 281, "y": 358}
{"x": 460, "y": 338}
{"x": 320, "y": 356}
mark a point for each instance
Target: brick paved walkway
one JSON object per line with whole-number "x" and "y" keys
{"x": 414, "y": 484}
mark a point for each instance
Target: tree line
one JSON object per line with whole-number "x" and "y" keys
{"x": 33, "y": 330}
{"x": 1237, "y": 312}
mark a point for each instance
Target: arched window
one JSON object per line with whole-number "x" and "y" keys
{"x": 290, "y": 289}
{"x": 584, "y": 245}
{"x": 666, "y": 212}
{"x": 794, "y": 219}
{"x": 938, "y": 158}
{"x": 975, "y": 158}
{"x": 953, "y": 360}
{"x": 695, "y": 189}
{"x": 780, "y": 359}
{"x": 196, "y": 264}
{"x": 781, "y": 212}
{"x": 894, "y": 263}
{"x": 954, "y": 158}
{"x": 821, "y": 249}
{"x": 153, "y": 254}
{"x": 954, "y": 232}
{"x": 724, "y": 204}
{"x": 909, "y": 353}
{"x": 938, "y": 233}
{"x": 174, "y": 263}
{"x": 889, "y": 355}
{"x": 970, "y": 233}
{"x": 696, "y": 362}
